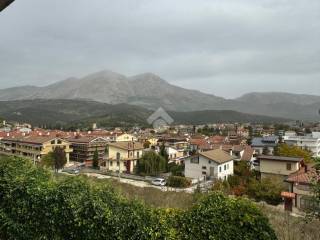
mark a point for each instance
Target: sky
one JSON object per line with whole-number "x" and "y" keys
{"x": 223, "y": 47}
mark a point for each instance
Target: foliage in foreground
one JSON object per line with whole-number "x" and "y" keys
{"x": 33, "y": 205}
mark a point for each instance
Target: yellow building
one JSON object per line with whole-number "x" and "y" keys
{"x": 33, "y": 147}
{"x": 278, "y": 166}
{"x": 126, "y": 138}
{"x": 123, "y": 156}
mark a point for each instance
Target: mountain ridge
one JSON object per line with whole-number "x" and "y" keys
{"x": 151, "y": 91}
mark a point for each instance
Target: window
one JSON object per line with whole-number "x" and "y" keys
{"x": 228, "y": 166}
{"x": 289, "y": 168}
{"x": 204, "y": 173}
{"x": 204, "y": 167}
{"x": 138, "y": 154}
{"x": 53, "y": 142}
{"x": 220, "y": 169}
{"x": 118, "y": 156}
{"x": 59, "y": 141}
{"x": 118, "y": 163}
{"x": 225, "y": 167}
{"x": 209, "y": 161}
{"x": 194, "y": 160}
{"x": 111, "y": 162}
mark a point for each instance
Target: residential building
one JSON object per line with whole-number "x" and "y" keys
{"x": 125, "y": 137}
{"x": 310, "y": 142}
{"x": 85, "y": 147}
{"x": 213, "y": 164}
{"x": 276, "y": 166}
{"x": 262, "y": 144}
{"x": 300, "y": 189}
{"x": 33, "y": 147}
{"x": 123, "y": 156}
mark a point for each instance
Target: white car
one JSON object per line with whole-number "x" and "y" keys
{"x": 159, "y": 182}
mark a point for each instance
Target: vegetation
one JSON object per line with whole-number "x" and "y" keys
{"x": 178, "y": 182}
{"x": 151, "y": 164}
{"x": 95, "y": 160}
{"x": 34, "y": 205}
{"x": 176, "y": 169}
{"x": 55, "y": 160}
{"x": 245, "y": 182}
{"x": 293, "y": 151}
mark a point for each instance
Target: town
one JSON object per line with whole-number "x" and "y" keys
{"x": 193, "y": 156}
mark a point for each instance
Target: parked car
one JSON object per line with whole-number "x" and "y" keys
{"x": 71, "y": 171}
{"x": 159, "y": 182}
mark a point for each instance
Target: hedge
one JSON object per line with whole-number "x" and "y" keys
{"x": 178, "y": 182}
{"x": 36, "y": 205}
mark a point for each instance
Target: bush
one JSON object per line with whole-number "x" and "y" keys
{"x": 36, "y": 205}
{"x": 178, "y": 182}
{"x": 219, "y": 217}
{"x": 267, "y": 189}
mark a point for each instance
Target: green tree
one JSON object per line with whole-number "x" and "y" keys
{"x": 60, "y": 159}
{"x": 294, "y": 151}
{"x": 48, "y": 160}
{"x": 163, "y": 152}
{"x": 151, "y": 163}
{"x": 95, "y": 160}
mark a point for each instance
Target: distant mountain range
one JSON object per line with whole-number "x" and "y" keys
{"x": 57, "y": 113}
{"x": 150, "y": 91}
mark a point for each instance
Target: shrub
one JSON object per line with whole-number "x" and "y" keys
{"x": 178, "y": 182}
{"x": 267, "y": 189}
{"x": 219, "y": 217}
{"x": 35, "y": 205}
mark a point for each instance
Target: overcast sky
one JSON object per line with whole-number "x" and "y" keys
{"x": 226, "y": 47}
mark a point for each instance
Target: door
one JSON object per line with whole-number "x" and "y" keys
{"x": 211, "y": 171}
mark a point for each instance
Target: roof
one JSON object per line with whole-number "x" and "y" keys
{"x": 127, "y": 145}
{"x": 280, "y": 158}
{"x": 86, "y": 139}
{"x": 270, "y": 141}
{"x": 218, "y": 156}
{"x": 30, "y": 139}
{"x": 247, "y": 154}
{"x": 288, "y": 195}
{"x": 305, "y": 175}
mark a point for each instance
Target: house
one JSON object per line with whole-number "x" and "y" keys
{"x": 123, "y": 156}
{"x": 176, "y": 155}
{"x": 84, "y": 148}
{"x": 278, "y": 166}
{"x": 310, "y": 142}
{"x": 33, "y": 147}
{"x": 248, "y": 156}
{"x": 125, "y": 137}
{"x": 262, "y": 144}
{"x": 300, "y": 192}
{"x": 213, "y": 164}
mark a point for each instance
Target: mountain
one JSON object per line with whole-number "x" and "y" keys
{"x": 150, "y": 91}
{"x": 279, "y": 98}
{"x": 82, "y": 113}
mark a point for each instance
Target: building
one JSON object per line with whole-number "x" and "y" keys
{"x": 125, "y": 137}
{"x": 123, "y": 156}
{"x": 33, "y": 147}
{"x": 263, "y": 144}
{"x": 213, "y": 164}
{"x": 300, "y": 192}
{"x": 310, "y": 142}
{"x": 84, "y": 148}
{"x": 276, "y": 166}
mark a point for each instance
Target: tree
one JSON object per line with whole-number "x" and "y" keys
{"x": 48, "y": 161}
{"x": 95, "y": 160}
{"x": 293, "y": 151}
{"x": 151, "y": 163}
{"x": 163, "y": 152}
{"x": 146, "y": 144}
{"x": 60, "y": 159}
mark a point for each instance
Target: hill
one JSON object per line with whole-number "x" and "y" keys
{"x": 150, "y": 91}
{"x": 82, "y": 113}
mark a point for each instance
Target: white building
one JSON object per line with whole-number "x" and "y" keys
{"x": 310, "y": 142}
{"x": 214, "y": 164}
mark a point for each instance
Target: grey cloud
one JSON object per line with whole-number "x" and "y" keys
{"x": 197, "y": 44}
